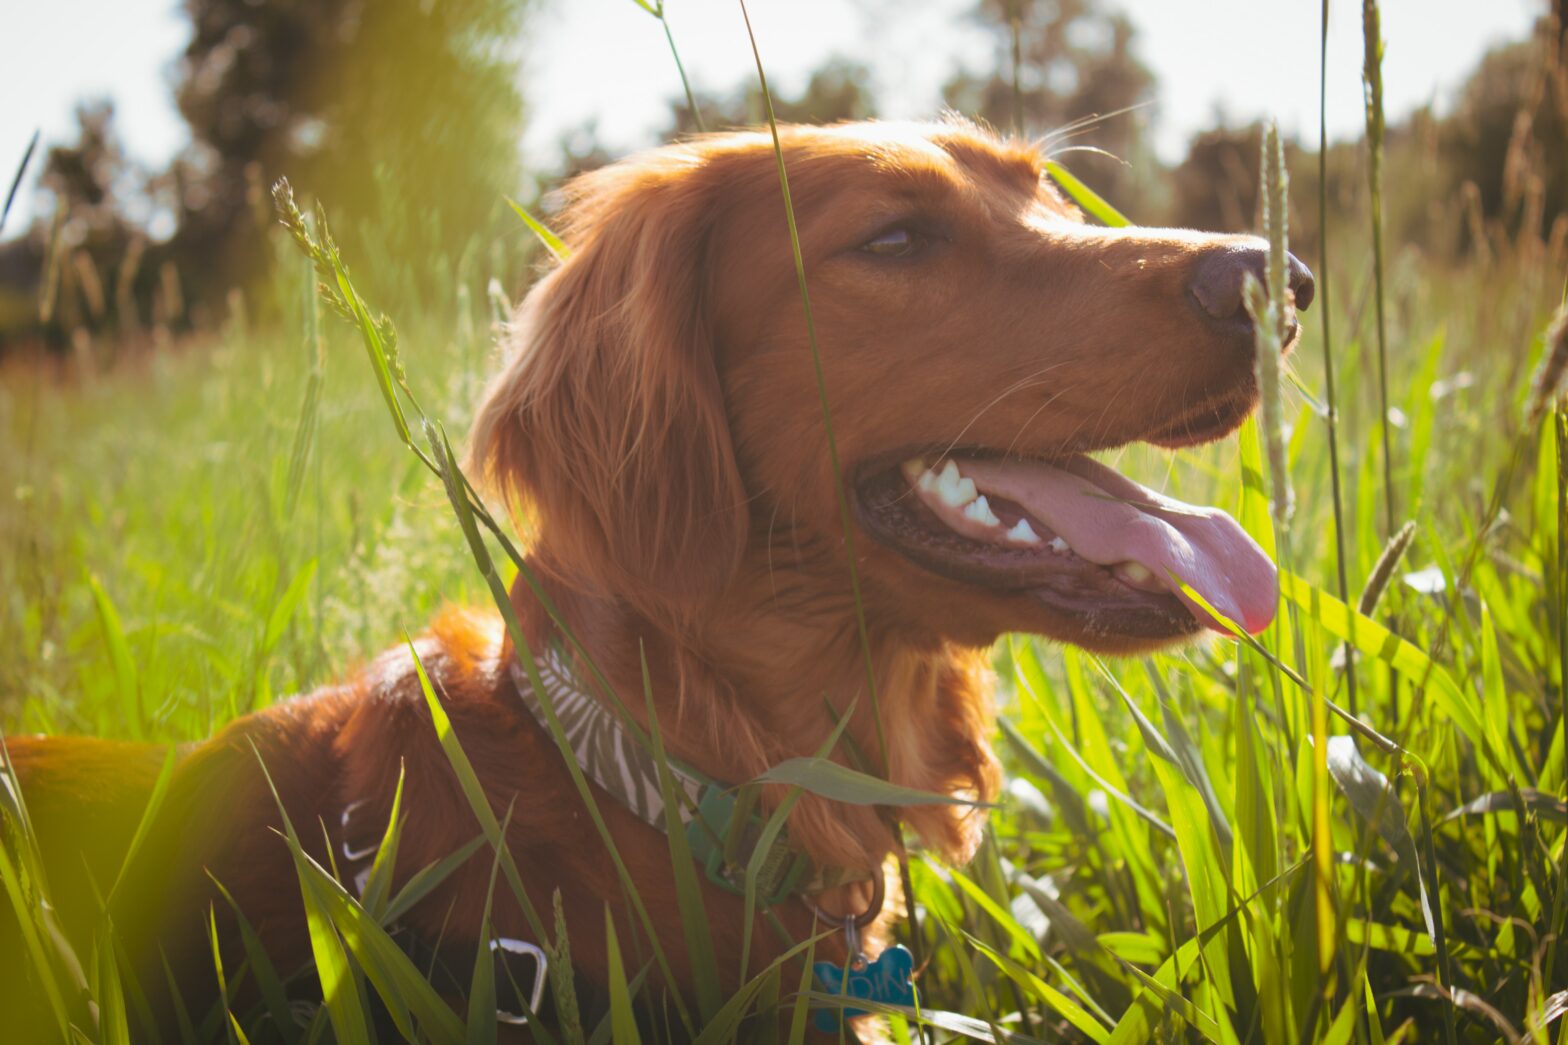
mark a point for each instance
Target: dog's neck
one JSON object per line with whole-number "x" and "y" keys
{"x": 780, "y": 661}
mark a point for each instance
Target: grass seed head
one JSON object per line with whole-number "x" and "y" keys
{"x": 1271, "y": 310}
{"x": 1548, "y": 380}
{"x": 1393, "y": 554}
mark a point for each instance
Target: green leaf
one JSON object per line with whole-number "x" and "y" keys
{"x": 1375, "y": 800}
{"x": 839, "y": 783}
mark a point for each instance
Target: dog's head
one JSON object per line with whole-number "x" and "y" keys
{"x": 661, "y": 421}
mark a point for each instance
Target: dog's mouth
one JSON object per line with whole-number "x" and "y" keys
{"x": 1074, "y": 534}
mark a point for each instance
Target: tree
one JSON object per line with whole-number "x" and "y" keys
{"x": 1508, "y": 134}
{"x": 402, "y": 115}
{"x": 88, "y": 253}
{"x": 838, "y": 90}
{"x": 1077, "y": 76}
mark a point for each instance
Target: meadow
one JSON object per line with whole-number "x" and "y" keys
{"x": 1352, "y": 829}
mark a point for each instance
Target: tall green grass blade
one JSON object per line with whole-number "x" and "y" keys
{"x": 951, "y": 1022}
{"x": 473, "y": 791}
{"x": 1372, "y": 78}
{"x": 182, "y": 1016}
{"x": 1086, "y": 197}
{"x": 408, "y": 996}
{"x": 845, "y": 524}
{"x": 126, "y": 683}
{"x": 160, "y": 789}
{"x": 1000, "y": 915}
{"x": 273, "y": 994}
{"x": 16, "y": 179}
{"x": 767, "y": 839}
{"x": 688, "y": 890}
{"x": 378, "y": 883}
{"x": 551, "y": 241}
{"x": 623, "y": 1018}
{"x": 339, "y": 985}
{"x": 229, "y": 1024}
{"x": 1326, "y": 326}
{"x": 481, "y": 1023}
{"x": 603, "y": 1034}
{"x": 457, "y": 496}
{"x": 114, "y": 1027}
{"x": 1047, "y": 995}
{"x": 723, "y": 1027}
{"x": 422, "y": 882}
{"x": 1376, "y": 641}
{"x": 287, "y": 604}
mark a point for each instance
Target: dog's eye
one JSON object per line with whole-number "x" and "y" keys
{"x": 896, "y": 243}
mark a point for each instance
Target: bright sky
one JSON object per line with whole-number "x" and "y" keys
{"x": 606, "y": 61}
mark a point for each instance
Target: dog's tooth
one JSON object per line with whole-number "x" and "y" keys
{"x": 927, "y": 483}
{"x": 1023, "y": 533}
{"x": 979, "y": 510}
{"x": 954, "y": 489}
{"x": 1136, "y": 572}
{"x": 1059, "y": 546}
{"x": 913, "y": 468}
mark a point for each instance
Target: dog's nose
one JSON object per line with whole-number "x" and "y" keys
{"x": 1218, "y": 279}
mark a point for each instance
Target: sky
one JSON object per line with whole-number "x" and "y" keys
{"x": 605, "y": 62}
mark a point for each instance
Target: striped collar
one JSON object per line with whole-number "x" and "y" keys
{"x": 721, "y": 828}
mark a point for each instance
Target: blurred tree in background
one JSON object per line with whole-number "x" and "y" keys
{"x": 1508, "y": 135}
{"x": 1078, "y": 82}
{"x": 405, "y": 117}
{"x": 403, "y": 114}
{"x": 839, "y": 89}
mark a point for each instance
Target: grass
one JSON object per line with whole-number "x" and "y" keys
{"x": 1195, "y": 845}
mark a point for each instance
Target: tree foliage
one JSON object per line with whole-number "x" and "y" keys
{"x": 403, "y": 114}
{"x": 1078, "y": 81}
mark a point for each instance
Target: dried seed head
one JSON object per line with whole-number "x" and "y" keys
{"x": 1266, "y": 327}
{"x": 1548, "y": 379}
{"x": 1276, "y": 223}
{"x": 1387, "y": 563}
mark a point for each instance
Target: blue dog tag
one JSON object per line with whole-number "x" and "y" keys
{"x": 889, "y": 979}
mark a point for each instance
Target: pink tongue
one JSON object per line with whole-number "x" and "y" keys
{"x": 1107, "y": 518}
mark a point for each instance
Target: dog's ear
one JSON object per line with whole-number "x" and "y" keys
{"x": 607, "y": 427}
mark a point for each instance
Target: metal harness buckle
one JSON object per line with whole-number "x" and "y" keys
{"x": 507, "y": 945}
{"x": 499, "y": 947}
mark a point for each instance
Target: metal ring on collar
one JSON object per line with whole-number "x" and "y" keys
{"x": 864, "y": 918}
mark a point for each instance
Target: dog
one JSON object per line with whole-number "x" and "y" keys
{"x": 793, "y": 521}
